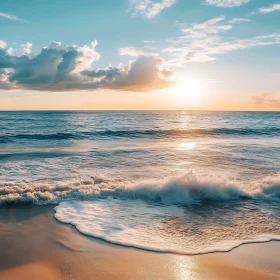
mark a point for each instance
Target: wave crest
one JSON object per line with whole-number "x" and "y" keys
{"x": 185, "y": 190}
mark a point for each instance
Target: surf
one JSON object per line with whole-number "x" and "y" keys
{"x": 187, "y": 189}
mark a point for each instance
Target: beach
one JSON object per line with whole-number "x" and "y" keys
{"x": 140, "y": 139}
{"x": 100, "y": 195}
{"x": 35, "y": 246}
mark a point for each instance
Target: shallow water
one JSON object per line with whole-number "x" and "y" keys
{"x": 187, "y": 182}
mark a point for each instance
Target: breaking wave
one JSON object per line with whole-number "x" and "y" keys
{"x": 183, "y": 215}
{"x": 185, "y": 190}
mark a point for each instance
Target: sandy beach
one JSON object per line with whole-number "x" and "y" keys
{"x": 35, "y": 246}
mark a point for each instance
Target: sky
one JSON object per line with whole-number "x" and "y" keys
{"x": 140, "y": 55}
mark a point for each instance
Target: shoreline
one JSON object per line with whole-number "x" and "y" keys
{"x": 35, "y": 245}
{"x": 147, "y": 249}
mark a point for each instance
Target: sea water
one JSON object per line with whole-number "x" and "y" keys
{"x": 167, "y": 181}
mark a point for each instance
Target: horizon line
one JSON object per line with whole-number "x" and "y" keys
{"x": 133, "y": 110}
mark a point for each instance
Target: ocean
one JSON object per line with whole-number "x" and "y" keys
{"x": 165, "y": 181}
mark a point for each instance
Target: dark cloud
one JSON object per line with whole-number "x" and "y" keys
{"x": 108, "y": 74}
{"x": 6, "y": 60}
{"x": 4, "y": 84}
{"x": 58, "y": 69}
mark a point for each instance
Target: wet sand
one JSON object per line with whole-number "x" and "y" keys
{"x": 35, "y": 246}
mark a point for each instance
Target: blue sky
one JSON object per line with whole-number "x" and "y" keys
{"x": 231, "y": 46}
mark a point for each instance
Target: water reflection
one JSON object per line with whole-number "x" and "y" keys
{"x": 184, "y": 267}
{"x": 186, "y": 146}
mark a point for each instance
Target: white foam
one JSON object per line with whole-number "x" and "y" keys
{"x": 162, "y": 228}
{"x": 188, "y": 189}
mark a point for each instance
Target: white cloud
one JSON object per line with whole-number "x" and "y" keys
{"x": 150, "y": 8}
{"x": 202, "y": 42}
{"x": 270, "y": 9}
{"x": 55, "y": 45}
{"x": 12, "y": 17}
{"x": 209, "y": 27}
{"x": 227, "y": 3}
{"x": 3, "y": 44}
{"x": 25, "y": 49}
{"x": 205, "y": 41}
{"x": 236, "y": 20}
{"x": 135, "y": 51}
{"x": 89, "y": 56}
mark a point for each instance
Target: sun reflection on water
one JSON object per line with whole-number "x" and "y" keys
{"x": 186, "y": 146}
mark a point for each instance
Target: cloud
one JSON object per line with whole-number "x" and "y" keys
{"x": 135, "y": 51}
{"x": 25, "y": 49}
{"x": 150, "y": 8}
{"x": 227, "y": 3}
{"x": 270, "y": 9}
{"x": 237, "y": 20}
{"x": 4, "y": 80}
{"x": 198, "y": 43}
{"x": 143, "y": 74}
{"x": 205, "y": 41}
{"x": 12, "y": 17}
{"x": 266, "y": 100}
{"x": 3, "y": 44}
{"x": 58, "y": 68}
{"x": 211, "y": 26}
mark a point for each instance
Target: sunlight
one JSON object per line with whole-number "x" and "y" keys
{"x": 186, "y": 146}
{"x": 187, "y": 91}
{"x": 184, "y": 267}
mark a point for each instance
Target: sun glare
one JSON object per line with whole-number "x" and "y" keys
{"x": 187, "y": 91}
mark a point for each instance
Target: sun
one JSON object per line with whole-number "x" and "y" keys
{"x": 187, "y": 91}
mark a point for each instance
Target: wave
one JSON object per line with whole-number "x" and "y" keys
{"x": 185, "y": 190}
{"x": 158, "y": 134}
{"x": 156, "y": 215}
{"x": 51, "y": 136}
{"x": 34, "y": 154}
